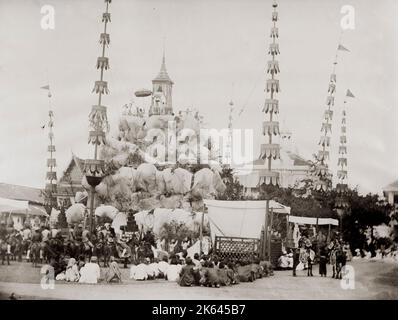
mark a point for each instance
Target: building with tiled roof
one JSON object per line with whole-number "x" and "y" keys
{"x": 35, "y": 211}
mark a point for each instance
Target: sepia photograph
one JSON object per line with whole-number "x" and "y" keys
{"x": 224, "y": 150}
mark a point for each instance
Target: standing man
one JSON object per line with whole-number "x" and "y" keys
{"x": 86, "y": 238}
{"x": 26, "y": 240}
{"x": 296, "y": 260}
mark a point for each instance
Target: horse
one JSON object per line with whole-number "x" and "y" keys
{"x": 70, "y": 249}
{"x": 16, "y": 248}
{"x": 54, "y": 248}
{"x": 341, "y": 259}
{"x": 3, "y": 252}
{"x": 35, "y": 253}
{"x": 109, "y": 250}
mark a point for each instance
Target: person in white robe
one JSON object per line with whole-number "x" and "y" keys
{"x": 72, "y": 272}
{"x": 154, "y": 268}
{"x": 91, "y": 272}
{"x": 141, "y": 271}
{"x": 173, "y": 271}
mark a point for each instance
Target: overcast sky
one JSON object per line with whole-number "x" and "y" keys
{"x": 215, "y": 52}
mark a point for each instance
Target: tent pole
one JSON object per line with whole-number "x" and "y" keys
{"x": 270, "y": 234}
{"x": 329, "y": 233}
{"x": 201, "y": 230}
{"x": 265, "y": 238}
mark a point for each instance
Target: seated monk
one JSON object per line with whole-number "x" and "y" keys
{"x": 223, "y": 276}
{"x": 245, "y": 272}
{"x": 188, "y": 274}
{"x": 113, "y": 272}
{"x": 91, "y": 272}
{"x": 140, "y": 272}
{"x": 211, "y": 276}
{"x": 267, "y": 268}
{"x": 154, "y": 268}
{"x": 257, "y": 270}
{"x": 162, "y": 266}
{"x": 232, "y": 273}
{"x": 173, "y": 270}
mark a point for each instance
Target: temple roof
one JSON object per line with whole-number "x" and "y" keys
{"x": 163, "y": 75}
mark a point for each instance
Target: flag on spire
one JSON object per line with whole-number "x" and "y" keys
{"x": 349, "y": 94}
{"x": 342, "y": 48}
{"x": 46, "y": 87}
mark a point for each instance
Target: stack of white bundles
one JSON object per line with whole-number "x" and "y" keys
{"x": 172, "y": 202}
{"x": 149, "y": 203}
{"x": 120, "y": 159}
{"x": 106, "y": 211}
{"x": 160, "y": 183}
{"x": 119, "y": 220}
{"x": 146, "y": 177}
{"x": 75, "y": 213}
{"x": 203, "y": 184}
{"x": 181, "y": 182}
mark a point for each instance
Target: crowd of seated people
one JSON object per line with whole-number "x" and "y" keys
{"x": 200, "y": 270}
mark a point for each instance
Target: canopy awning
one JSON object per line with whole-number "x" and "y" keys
{"x": 240, "y": 218}
{"x": 9, "y": 205}
{"x": 313, "y": 221}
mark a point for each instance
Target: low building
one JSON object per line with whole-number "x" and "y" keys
{"x": 391, "y": 193}
{"x": 34, "y": 212}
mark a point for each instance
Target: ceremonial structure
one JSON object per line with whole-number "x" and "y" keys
{"x": 162, "y": 92}
{"x": 50, "y": 190}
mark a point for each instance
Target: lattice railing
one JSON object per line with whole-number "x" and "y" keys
{"x": 236, "y": 247}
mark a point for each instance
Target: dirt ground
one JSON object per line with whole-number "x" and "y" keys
{"x": 373, "y": 280}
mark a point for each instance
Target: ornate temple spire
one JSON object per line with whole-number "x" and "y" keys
{"x": 322, "y": 175}
{"x": 98, "y": 117}
{"x": 269, "y": 149}
{"x": 342, "y": 173}
{"x": 163, "y": 75}
{"x": 162, "y": 92}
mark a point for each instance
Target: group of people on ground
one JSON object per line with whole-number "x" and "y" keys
{"x": 82, "y": 270}
{"x": 200, "y": 270}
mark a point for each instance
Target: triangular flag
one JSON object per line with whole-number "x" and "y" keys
{"x": 47, "y": 87}
{"x": 349, "y": 94}
{"x": 342, "y": 48}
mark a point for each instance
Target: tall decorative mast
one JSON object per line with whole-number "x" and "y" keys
{"x": 323, "y": 177}
{"x": 342, "y": 173}
{"x": 228, "y": 153}
{"x": 271, "y": 150}
{"x": 98, "y": 121}
{"x": 51, "y": 175}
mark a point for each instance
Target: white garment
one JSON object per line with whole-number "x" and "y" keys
{"x": 154, "y": 269}
{"x": 45, "y": 235}
{"x": 173, "y": 272}
{"x": 90, "y": 273}
{"x": 140, "y": 272}
{"x": 162, "y": 266}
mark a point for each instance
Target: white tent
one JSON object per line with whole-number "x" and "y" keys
{"x": 239, "y": 218}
